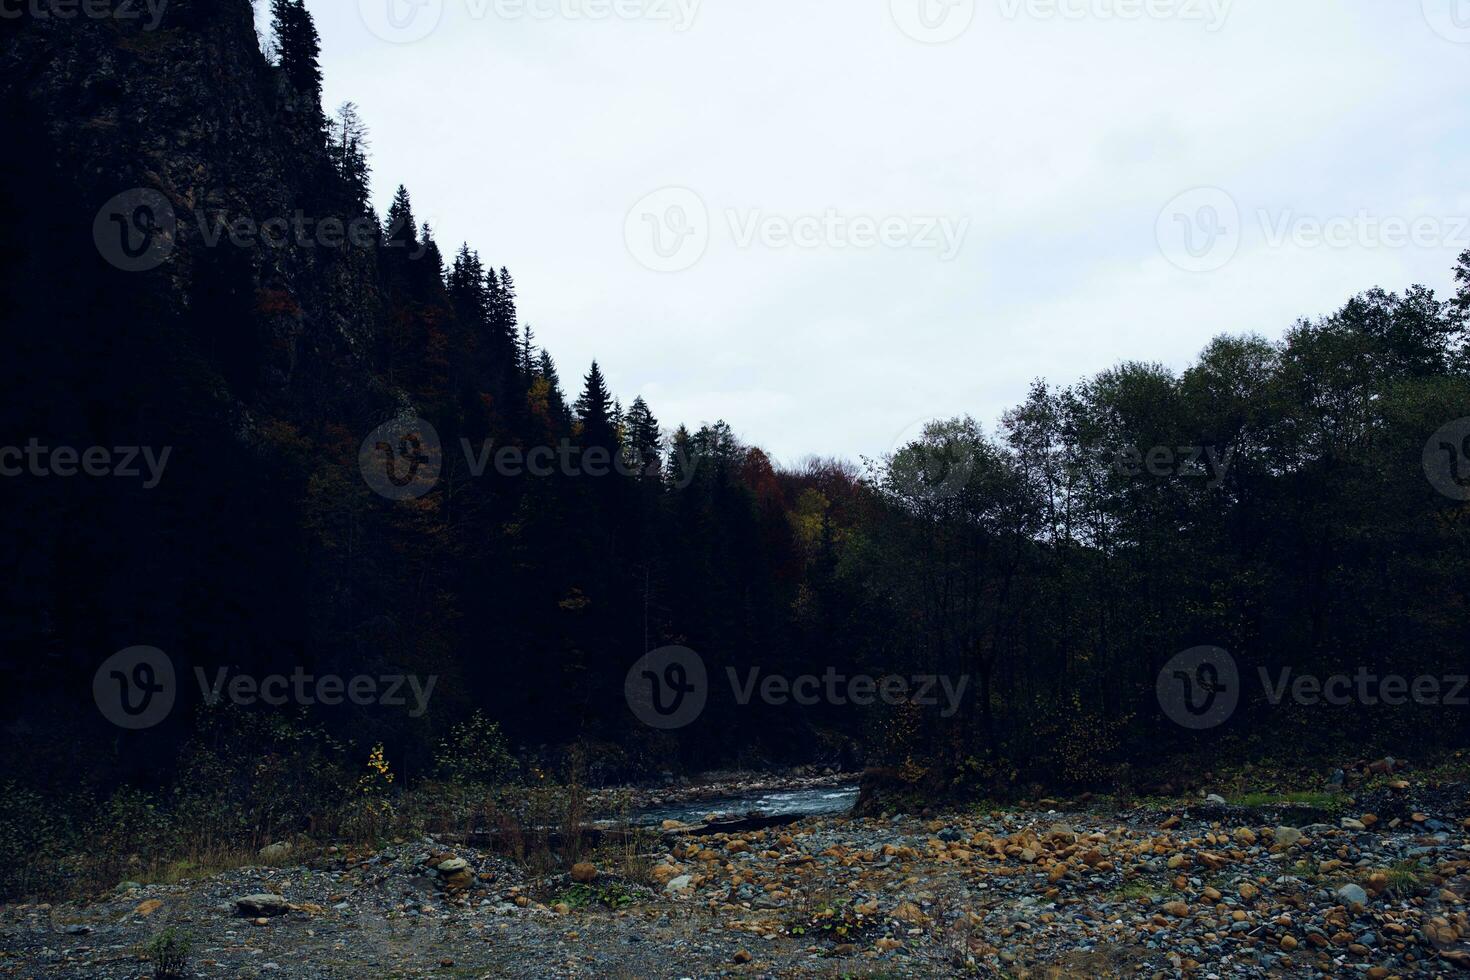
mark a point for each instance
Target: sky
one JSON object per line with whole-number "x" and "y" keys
{"x": 828, "y": 221}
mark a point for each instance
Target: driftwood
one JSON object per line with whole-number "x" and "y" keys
{"x": 553, "y": 836}
{"x": 740, "y": 825}
{"x": 595, "y": 835}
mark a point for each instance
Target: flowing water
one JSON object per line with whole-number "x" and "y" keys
{"x": 777, "y": 802}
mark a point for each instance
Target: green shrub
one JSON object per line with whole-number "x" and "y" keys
{"x": 169, "y": 952}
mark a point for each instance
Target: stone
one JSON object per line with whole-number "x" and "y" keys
{"x": 742, "y": 957}
{"x": 1351, "y": 895}
{"x": 1249, "y": 892}
{"x": 679, "y": 884}
{"x": 263, "y": 905}
{"x": 1288, "y": 943}
{"x": 1179, "y": 910}
{"x": 584, "y": 873}
{"x": 275, "y": 853}
{"x": 1287, "y": 836}
{"x": 148, "y": 907}
{"x": 452, "y": 866}
{"x": 910, "y": 913}
{"x": 1348, "y": 823}
{"x": 1245, "y": 837}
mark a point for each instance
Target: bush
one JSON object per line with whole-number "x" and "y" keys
{"x": 169, "y": 952}
{"x": 474, "y": 754}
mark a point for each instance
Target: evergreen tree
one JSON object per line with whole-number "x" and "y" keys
{"x": 556, "y": 399}
{"x": 642, "y": 440}
{"x": 526, "y": 358}
{"x": 347, "y": 146}
{"x": 299, "y": 47}
{"x": 595, "y": 412}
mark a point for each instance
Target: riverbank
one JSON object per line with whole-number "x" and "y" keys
{"x": 1177, "y": 888}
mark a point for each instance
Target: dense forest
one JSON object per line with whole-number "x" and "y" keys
{"x": 1271, "y": 499}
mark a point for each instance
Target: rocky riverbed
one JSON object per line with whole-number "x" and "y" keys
{"x": 1188, "y": 889}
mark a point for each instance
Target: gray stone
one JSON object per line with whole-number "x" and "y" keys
{"x": 1352, "y": 895}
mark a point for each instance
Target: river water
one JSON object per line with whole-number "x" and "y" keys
{"x": 801, "y": 802}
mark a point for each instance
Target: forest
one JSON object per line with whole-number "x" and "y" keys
{"x": 1298, "y": 496}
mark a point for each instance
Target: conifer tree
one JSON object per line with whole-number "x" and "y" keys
{"x": 347, "y": 146}
{"x": 595, "y": 412}
{"x": 299, "y": 47}
{"x": 642, "y": 439}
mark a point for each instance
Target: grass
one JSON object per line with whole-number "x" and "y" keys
{"x": 1320, "y": 801}
{"x": 1407, "y": 878}
{"x": 1134, "y": 890}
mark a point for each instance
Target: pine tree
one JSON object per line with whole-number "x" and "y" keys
{"x": 400, "y": 230}
{"x": 467, "y": 290}
{"x": 347, "y": 146}
{"x": 299, "y": 46}
{"x": 595, "y": 412}
{"x": 429, "y": 265}
{"x": 642, "y": 442}
{"x": 527, "y": 352}
{"x": 556, "y": 399}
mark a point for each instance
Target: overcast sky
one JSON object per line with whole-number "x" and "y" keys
{"x": 872, "y": 212}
